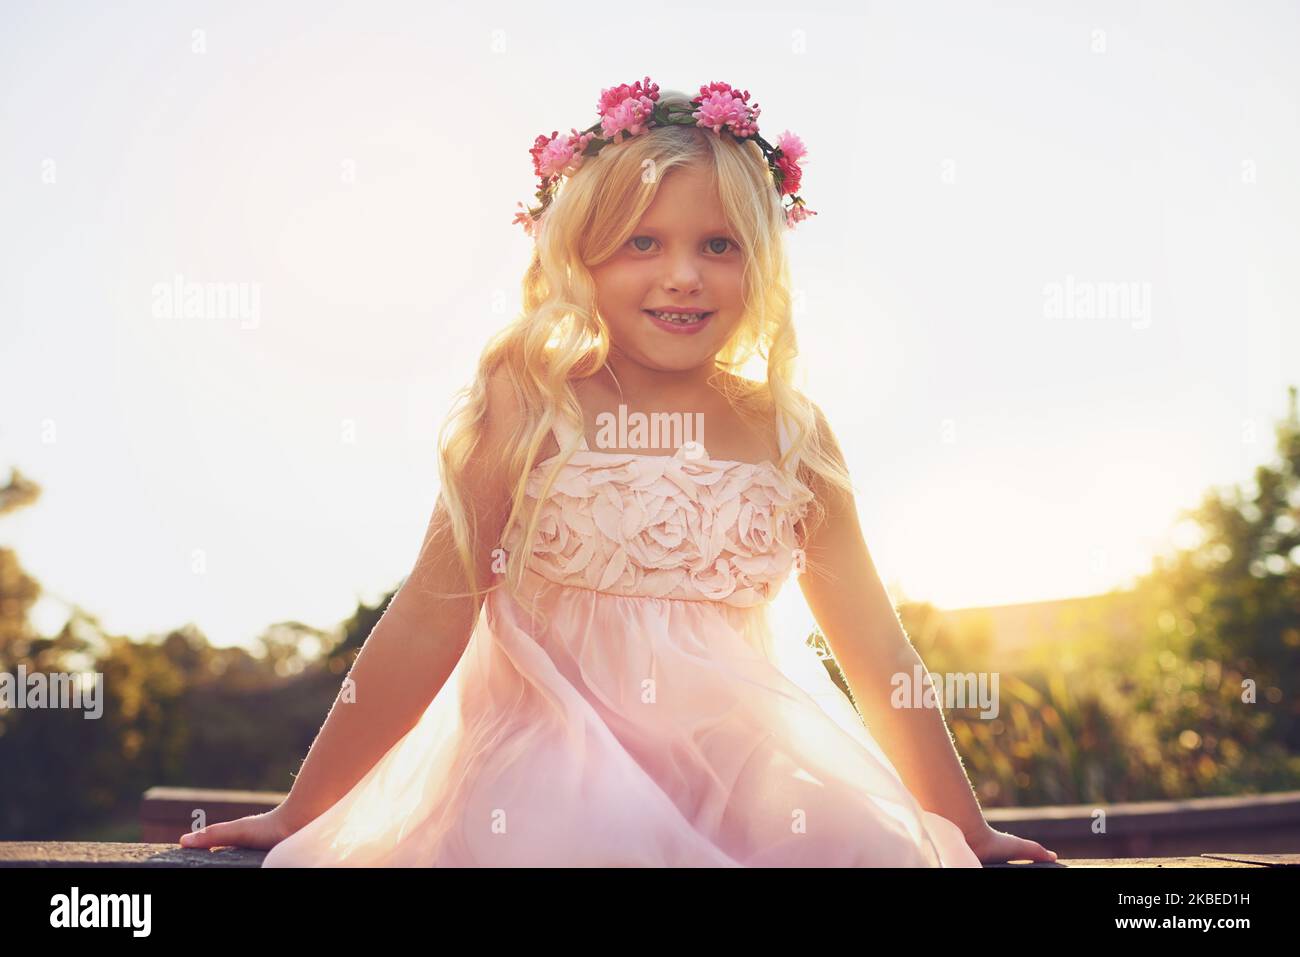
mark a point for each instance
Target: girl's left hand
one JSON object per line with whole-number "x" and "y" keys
{"x": 998, "y": 847}
{"x": 258, "y": 831}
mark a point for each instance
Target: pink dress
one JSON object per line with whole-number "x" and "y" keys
{"x": 647, "y": 715}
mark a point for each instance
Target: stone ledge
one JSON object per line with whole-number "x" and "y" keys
{"x": 1254, "y": 823}
{"x": 93, "y": 854}
{"x": 1275, "y": 809}
{"x": 96, "y": 854}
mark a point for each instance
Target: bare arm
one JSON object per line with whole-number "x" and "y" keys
{"x": 404, "y": 662}
{"x": 413, "y": 648}
{"x": 854, "y": 612}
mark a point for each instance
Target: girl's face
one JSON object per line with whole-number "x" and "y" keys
{"x": 681, "y": 255}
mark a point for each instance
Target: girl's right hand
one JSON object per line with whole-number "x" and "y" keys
{"x": 258, "y": 831}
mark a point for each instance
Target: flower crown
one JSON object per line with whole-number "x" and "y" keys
{"x": 627, "y": 111}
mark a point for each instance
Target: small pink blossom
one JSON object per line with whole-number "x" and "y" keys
{"x": 535, "y": 151}
{"x": 624, "y": 109}
{"x": 723, "y": 107}
{"x": 524, "y": 218}
{"x": 791, "y": 175}
{"x": 791, "y": 147}
{"x": 797, "y": 214}
{"x": 561, "y": 155}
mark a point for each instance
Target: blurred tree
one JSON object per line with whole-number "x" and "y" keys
{"x": 1149, "y": 696}
{"x": 18, "y": 590}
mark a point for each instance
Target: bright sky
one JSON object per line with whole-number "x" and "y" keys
{"x": 979, "y": 174}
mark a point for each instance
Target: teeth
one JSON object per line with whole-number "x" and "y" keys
{"x": 684, "y": 318}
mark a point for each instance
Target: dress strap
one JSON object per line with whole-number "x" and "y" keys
{"x": 563, "y": 432}
{"x": 783, "y": 439}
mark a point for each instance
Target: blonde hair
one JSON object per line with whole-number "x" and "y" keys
{"x": 559, "y": 335}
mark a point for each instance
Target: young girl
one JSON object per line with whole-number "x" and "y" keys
{"x": 579, "y": 670}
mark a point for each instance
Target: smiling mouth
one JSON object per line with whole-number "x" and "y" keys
{"x": 679, "y": 319}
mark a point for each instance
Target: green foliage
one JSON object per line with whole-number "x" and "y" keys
{"x": 175, "y": 710}
{"x": 1180, "y": 687}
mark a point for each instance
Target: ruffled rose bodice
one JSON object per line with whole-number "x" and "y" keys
{"x": 667, "y": 526}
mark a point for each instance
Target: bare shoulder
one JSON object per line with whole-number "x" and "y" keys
{"x": 504, "y": 413}
{"x": 749, "y": 389}
{"x": 502, "y": 399}
{"x": 498, "y": 427}
{"x": 504, "y": 418}
{"x": 753, "y": 400}
{"x": 761, "y": 397}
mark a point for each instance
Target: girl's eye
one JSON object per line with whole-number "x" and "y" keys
{"x": 636, "y": 242}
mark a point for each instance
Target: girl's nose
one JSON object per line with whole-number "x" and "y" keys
{"x": 682, "y": 277}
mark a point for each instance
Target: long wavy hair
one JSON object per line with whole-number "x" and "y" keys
{"x": 559, "y": 337}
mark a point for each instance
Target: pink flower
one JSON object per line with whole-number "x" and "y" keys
{"x": 791, "y": 147}
{"x": 624, "y": 109}
{"x": 561, "y": 155}
{"x": 792, "y": 175}
{"x": 797, "y": 214}
{"x": 538, "y": 146}
{"x": 524, "y": 218}
{"x": 723, "y": 107}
